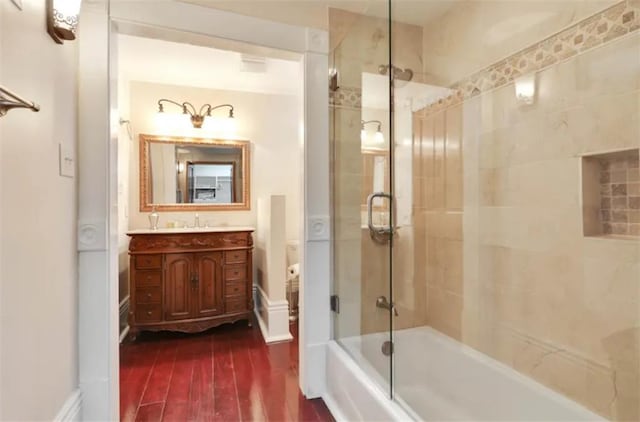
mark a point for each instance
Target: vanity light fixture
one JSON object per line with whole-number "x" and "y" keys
{"x": 62, "y": 19}
{"x": 197, "y": 116}
{"x": 10, "y": 100}
{"x": 378, "y": 138}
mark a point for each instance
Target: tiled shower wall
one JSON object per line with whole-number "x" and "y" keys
{"x": 438, "y": 216}
{"x": 535, "y": 293}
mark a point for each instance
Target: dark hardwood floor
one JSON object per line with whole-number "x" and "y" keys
{"x": 225, "y": 374}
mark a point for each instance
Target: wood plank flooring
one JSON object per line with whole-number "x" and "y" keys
{"x": 225, "y": 374}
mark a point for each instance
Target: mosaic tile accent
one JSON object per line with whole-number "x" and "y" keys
{"x": 610, "y": 24}
{"x": 620, "y": 194}
{"x": 346, "y": 97}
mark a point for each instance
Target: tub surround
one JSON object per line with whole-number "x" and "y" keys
{"x": 462, "y": 382}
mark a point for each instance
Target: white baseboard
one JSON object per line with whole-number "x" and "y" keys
{"x": 273, "y": 318}
{"x": 71, "y": 410}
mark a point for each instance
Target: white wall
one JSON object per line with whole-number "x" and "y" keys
{"x": 38, "y": 260}
{"x": 270, "y": 122}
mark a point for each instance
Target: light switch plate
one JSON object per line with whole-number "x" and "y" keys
{"x": 18, "y": 3}
{"x": 67, "y": 161}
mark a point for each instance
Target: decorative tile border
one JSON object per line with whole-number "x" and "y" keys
{"x": 346, "y": 97}
{"x": 618, "y": 20}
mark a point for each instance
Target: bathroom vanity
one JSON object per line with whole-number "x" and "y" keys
{"x": 189, "y": 279}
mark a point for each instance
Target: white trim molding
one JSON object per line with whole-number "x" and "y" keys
{"x": 124, "y": 315}
{"x": 71, "y": 410}
{"x": 273, "y": 318}
{"x": 97, "y": 174}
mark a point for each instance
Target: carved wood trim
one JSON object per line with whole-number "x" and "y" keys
{"x": 189, "y": 242}
{"x": 195, "y": 326}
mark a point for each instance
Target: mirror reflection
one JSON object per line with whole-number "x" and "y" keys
{"x": 193, "y": 173}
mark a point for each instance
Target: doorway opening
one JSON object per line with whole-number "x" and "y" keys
{"x": 235, "y": 173}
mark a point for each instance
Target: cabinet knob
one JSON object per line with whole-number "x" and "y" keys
{"x": 149, "y": 313}
{"x": 148, "y": 295}
{"x": 148, "y": 278}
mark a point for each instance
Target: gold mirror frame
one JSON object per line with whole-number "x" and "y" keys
{"x": 145, "y": 180}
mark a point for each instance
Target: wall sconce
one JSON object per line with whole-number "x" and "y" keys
{"x": 526, "y": 89}
{"x": 62, "y": 19}
{"x": 378, "y": 137}
{"x": 197, "y": 117}
{"x": 10, "y": 100}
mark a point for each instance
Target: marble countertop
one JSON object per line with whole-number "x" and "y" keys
{"x": 179, "y": 230}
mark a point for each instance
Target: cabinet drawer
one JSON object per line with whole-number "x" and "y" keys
{"x": 149, "y": 295}
{"x": 148, "y": 261}
{"x": 235, "y": 257}
{"x": 235, "y": 288}
{"x": 238, "y": 272}
{"x": 148, "y": 278}
{"x": 148, "y": 313}
{"x": 237, "y": 304}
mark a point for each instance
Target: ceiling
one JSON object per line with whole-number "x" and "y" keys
{"x": 314, "y": 13}
{"x": 152, "y": 60}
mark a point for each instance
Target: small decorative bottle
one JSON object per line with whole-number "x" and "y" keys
{"x": 154, "y": 217}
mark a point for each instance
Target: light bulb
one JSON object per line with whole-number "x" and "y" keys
{"x": 379, "y": 138}
{"x": 363, "y": 136}
{"x": 160, "y": 121}
{"x": 209, "y": 124}
{"x": 229, "y": 126}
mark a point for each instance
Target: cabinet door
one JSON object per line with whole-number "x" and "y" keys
{"x": 208, "y": 297}
{"x": 179, "y": 285}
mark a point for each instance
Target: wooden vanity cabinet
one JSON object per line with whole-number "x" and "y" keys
{"x": 189, "y": 282}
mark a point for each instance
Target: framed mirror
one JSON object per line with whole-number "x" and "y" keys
{"x": 194, "y": 174}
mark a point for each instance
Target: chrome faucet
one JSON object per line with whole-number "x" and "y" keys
{"x": 382, "y": 302}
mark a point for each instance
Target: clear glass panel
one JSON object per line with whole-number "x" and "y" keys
{"x": 360, "y": 117}
{"x": 516, "y": 262}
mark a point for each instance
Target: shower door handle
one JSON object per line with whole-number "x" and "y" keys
{"x": 378, "y": 232}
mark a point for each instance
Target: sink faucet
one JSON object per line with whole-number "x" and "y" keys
{"x": 382, "y": 302}
{"x": 197, "y": 221}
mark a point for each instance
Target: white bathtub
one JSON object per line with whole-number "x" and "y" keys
{"x": 435, "y": 378}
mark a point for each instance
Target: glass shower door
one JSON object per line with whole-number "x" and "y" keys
{"x": 516, "y": 190}
{"x": 362, "y": 186}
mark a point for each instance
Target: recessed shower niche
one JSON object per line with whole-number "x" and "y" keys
{"x": 611, "y": 194}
